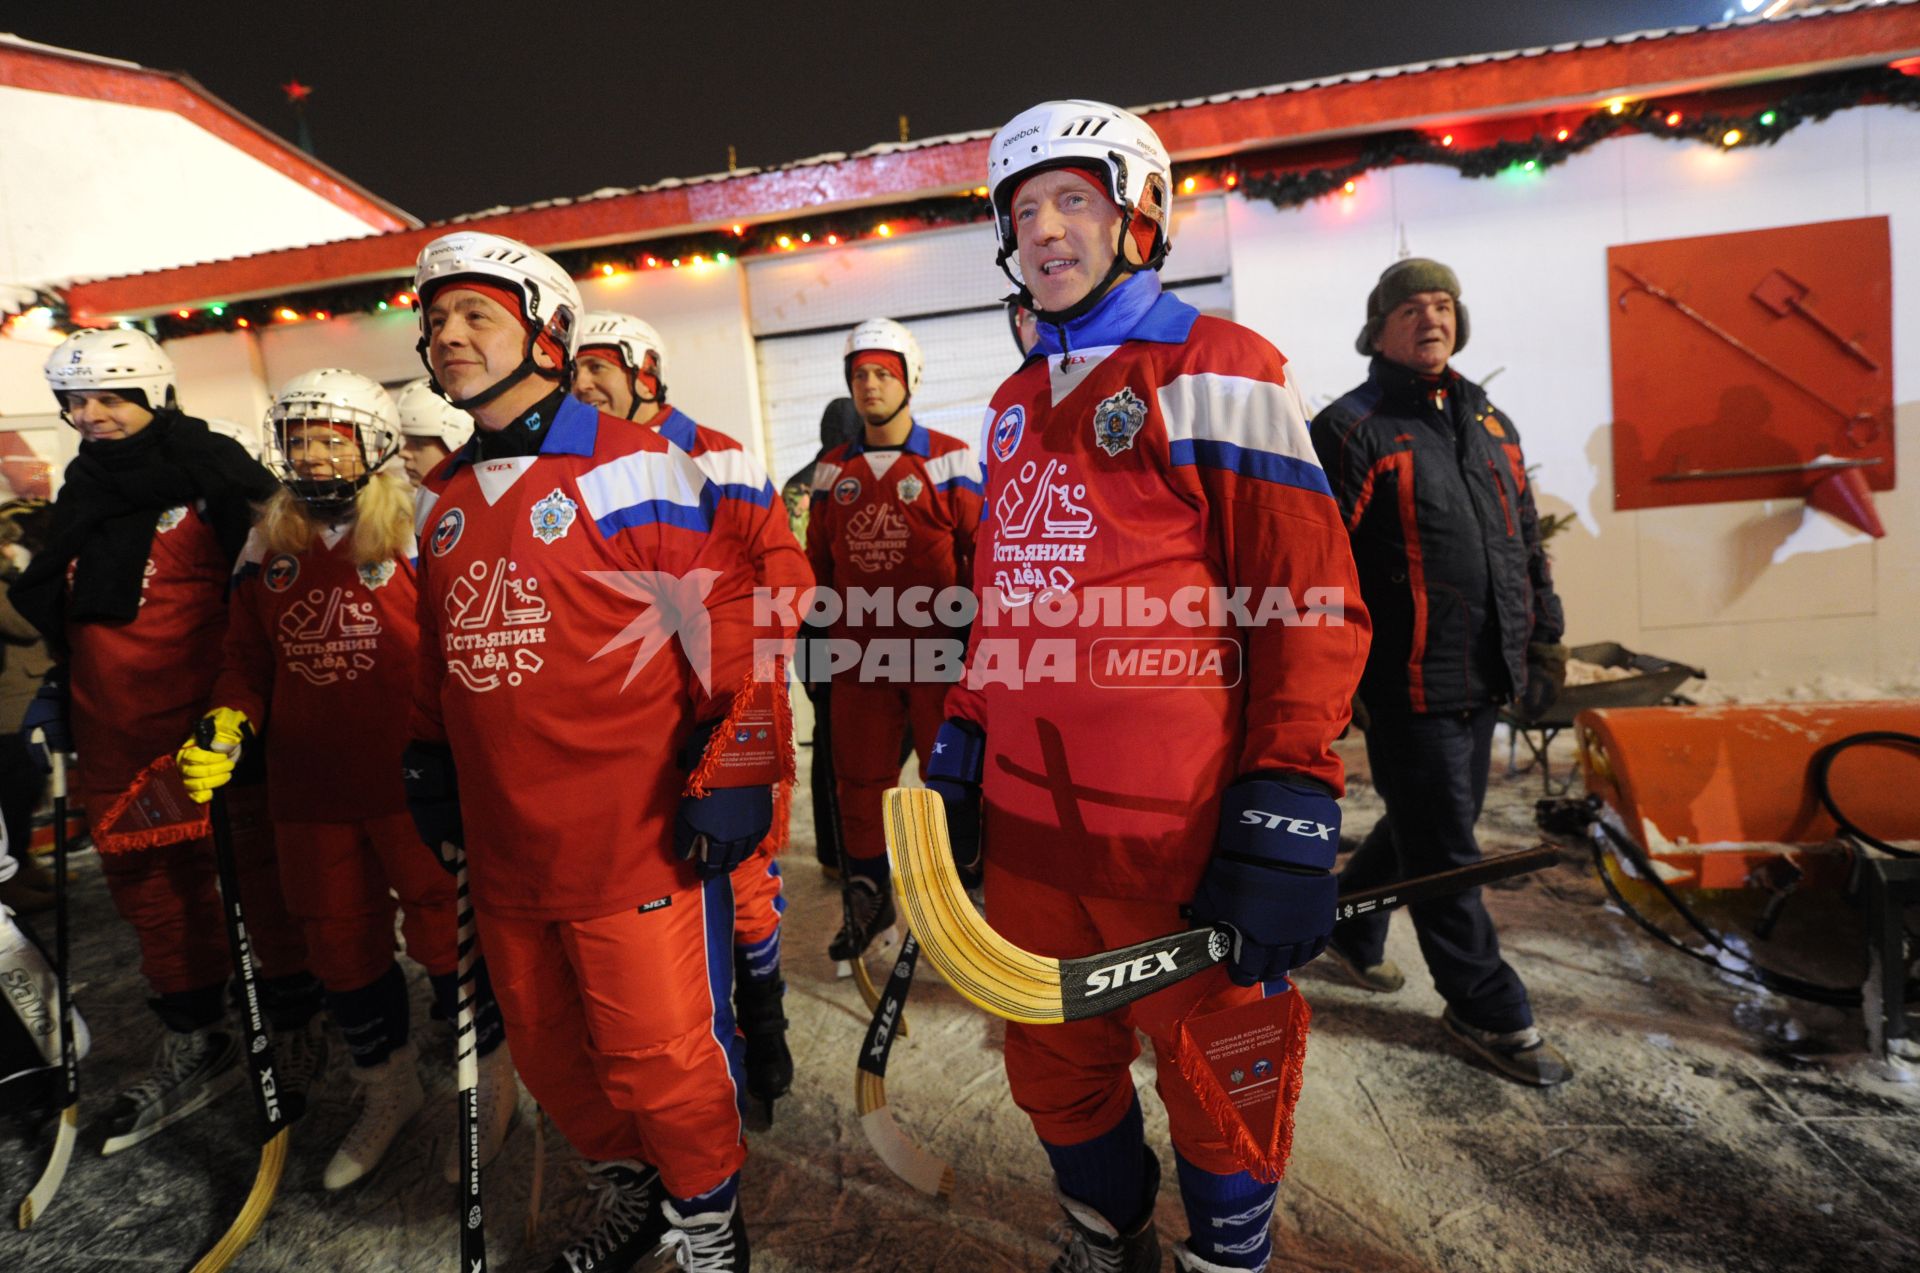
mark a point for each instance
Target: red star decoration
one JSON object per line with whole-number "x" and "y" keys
{"x": 296, "y": 91}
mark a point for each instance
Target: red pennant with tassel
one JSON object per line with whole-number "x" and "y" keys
{"x": 1247, "y": 1063}
{"x": 155, "y": 810}
{"x": 754, "y": 745}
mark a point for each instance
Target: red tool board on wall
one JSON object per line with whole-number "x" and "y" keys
{"x": 1753, "y": 365}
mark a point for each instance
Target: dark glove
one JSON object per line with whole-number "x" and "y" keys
{"x": 47, "y": 716}
{"x": 1271, "y": 882}
{"x": 716, "y": 832}
{"x": 433, "y": 798}
{"x": 1546, "y": 677}
{"x": 1362, "y": 718}
{"x": 953, "y": 771}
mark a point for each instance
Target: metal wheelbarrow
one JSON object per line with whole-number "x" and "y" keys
{"x": 1655, "y": 681}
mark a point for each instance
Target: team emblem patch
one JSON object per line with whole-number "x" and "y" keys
{"x": 846, "y": 490}
{"x": 553, "y": 516}
{"x": 170, "y": 518}
{"x": 446, "y": 532}
{"x": 280, "y": 572}
{"x": 376, "y": 574}
{"x": 909, "y": 489}
{"x": 1116, "y": 420}
{"x": 1007, "y": 432}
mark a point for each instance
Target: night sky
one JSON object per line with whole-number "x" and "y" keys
{"x": 455, "y": 107}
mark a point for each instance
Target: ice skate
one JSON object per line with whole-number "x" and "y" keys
{"x": 499, "y": 1108}
{"x": 868, "y": 908}
{"x": 300, "y": 1058}
{"x": 711, "y": 1242}
{"x": 393, "y": 1095}
{"x": 631, "y": 1220}
{"x": 1088, "y": 1244}
{"x": 1185, "y": 1261}
{"x": 190, "y": 1069}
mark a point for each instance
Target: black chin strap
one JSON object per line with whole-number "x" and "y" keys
{"x": 1059, "y": 318}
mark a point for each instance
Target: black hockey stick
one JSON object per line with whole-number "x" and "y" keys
{"x": 35, "y": 1204}
{"x": 1009, "y": 982}
{"x": 273, "y": 1122}
{"x": 473, "y": 1237}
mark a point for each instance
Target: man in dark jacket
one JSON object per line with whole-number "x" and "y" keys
{"x": 1433, "y": 486}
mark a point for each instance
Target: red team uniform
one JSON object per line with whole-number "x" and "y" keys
{"x": 565, "y": 699}
{"x": 888, "y": 521}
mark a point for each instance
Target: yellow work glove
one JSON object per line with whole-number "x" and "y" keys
{"x": 203, "y": 769}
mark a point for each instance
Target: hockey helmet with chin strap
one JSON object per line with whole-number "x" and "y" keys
{"x": 347, "y": 404}
{"x": 632, "y": 340}
{"x": 112, "y": 360}
{"x": 884, "y": 336}
{"x": 1114, "y": 146}
{"x": 425, "y": 414}
{"x": 549, "y": 302}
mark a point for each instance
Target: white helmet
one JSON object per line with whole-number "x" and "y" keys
{"x": 425, "y": 414}
{"x": 634, "y": 340}
{"x": 549, "y": 301}
{"x": 117, "y": 359}
{"x": 1082, "y": 134}
{"x": 249, "y": 439}
{"x": 339, "y": 398}
{"x": 885, "y": 334}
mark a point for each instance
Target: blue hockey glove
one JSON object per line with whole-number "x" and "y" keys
{"x": 953, "y": 771}
{"x": 716, "y": 832}
{"x": 433, "y": 798}
{"x": 1271, "y": 878}
{"x": 44, "y": 727}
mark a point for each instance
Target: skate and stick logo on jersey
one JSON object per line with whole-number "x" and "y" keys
{"x": 1043, "y": 527}
{"x": 909, "y": 488}
{"x": 281, "y": 570}
{"x": 877, "y": 538}
{"x": 446, "y": 532}
{"x": 846, "y": 490}
{"x": 1116, "y": 420}
{"x": 328, "y": 636}
{"x": 553, "y": 516}
{"x": 494, "y": 616}
{"x": 1007, "y": 432}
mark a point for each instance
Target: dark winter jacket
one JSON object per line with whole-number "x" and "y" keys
{"x": 1430, "y": 478}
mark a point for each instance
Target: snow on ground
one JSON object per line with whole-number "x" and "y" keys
{"x": 1710, "y": 1127}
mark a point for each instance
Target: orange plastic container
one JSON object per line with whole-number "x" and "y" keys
{"x": 1717, "y": 794}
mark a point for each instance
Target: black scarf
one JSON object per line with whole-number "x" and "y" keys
{"x": 109, "y": 505}
{"x": 525, "y": 435}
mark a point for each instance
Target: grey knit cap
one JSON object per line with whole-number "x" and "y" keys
{"x": 1403, "y": 279}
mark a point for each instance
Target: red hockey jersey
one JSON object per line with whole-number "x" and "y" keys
{"x": 894, "y": 520}
{"x": 578, "y": 613}
{"x": 320, "y": 653}
{"x": 1134, "y": 496}
{"x": 139, "y": 687}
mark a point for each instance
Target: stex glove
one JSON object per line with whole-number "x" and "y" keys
{"x": 433, "y": 798}
{"x": 954, "y": 773}
{"x": 208, "y": 759}
{"x": 1270, "y": 883}
{"x": 719, "y": 830}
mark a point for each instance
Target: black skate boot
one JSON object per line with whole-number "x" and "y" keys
{"x": 1090, "y": 1244}
{"x": 711, "y": 1242}
{"x": 631, "y": 1223}
{"x": 868, "y": 907}
{"x": 756, "y": 1006}
{"x": 191, "y": 1068}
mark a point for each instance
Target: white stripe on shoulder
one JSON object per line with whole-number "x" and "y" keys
{"x": 642, "y": 477}
{"x": 825, "y": 475}
{"x": 423, "y": 503}
{"x": 1259, "y": 415}
{"x": 733, "y": 467}
{"x": 959, "y": 462}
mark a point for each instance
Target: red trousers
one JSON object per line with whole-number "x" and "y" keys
{"x": 757, "y": 903}
{"x": 870, "y": 722}
{"x": 171, "y": 896}
{"x": 337, "y": 877}
{"x": 1073, "y": 1079}
{"x": 622, "y": 1028}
